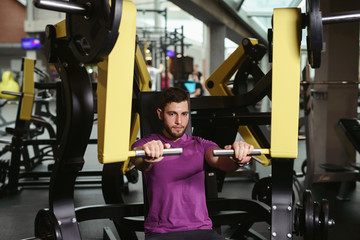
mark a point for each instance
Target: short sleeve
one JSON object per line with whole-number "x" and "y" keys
{"x": 144, "y": 140}
{"x": 138, "y": 143}
{"x": 207, "y": 144}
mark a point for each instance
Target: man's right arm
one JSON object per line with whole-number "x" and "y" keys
{"x": 140, "y": 162}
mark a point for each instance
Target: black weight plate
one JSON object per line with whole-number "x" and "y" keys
{"x": 46, "y": 226}
{"x": 317, "y": 225}
{"x": 92, "y": 37}
{"x": 308, "y": 206}
{"x": 262, "y": 191}
{"x": 314, "y": 33}
{"x": 324, "y": 217}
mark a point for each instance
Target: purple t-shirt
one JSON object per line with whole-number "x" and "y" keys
{"x": 176, "y": 187}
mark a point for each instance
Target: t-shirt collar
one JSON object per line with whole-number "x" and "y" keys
{"x": 179, "y": 141}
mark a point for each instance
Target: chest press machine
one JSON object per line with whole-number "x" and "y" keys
{"x": 103, "y": 32}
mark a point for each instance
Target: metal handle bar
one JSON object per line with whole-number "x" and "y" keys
{"x": 62, "y": 6}
{"x": 166, "y": 152}
{"x": 17, "y": 94}
{"x": 230, "y": 152}
{"x": 353, "y": 16}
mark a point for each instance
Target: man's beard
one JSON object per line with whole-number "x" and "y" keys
{"x": 175, "y": 135}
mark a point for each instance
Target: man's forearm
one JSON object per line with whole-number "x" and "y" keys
{"x": 223, "y": 163}
{"x": 227, "y": 164}
{"x": 141, "y": 164}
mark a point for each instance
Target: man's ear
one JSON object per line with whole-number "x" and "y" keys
{"x": 160, "y": 113}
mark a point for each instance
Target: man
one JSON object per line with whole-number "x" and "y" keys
{"x": 194, "y": 79}
{"x": 175, "y": 184}
{"x": 154, "y": 74}
{"x": 200, "y": 77}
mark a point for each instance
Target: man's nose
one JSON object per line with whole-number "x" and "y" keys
{"x": 178, "y": 119}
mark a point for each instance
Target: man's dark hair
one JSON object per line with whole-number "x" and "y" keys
{"x": 173, "y": 94}
{"x": 149, "y": 62}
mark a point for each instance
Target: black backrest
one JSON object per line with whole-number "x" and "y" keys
{"x": 149, "y": 121}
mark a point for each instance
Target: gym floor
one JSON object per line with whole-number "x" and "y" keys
{"x": 17, "y": 212}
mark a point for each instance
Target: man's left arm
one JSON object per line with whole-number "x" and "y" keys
{"x": 230, "y": 164}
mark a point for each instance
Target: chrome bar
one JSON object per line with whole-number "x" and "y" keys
{"x": 230, "y": 152}
{"x": 62, "y": 6}
{"x": 342, "y": 17}
{"x": 18, "y": 94}
{"x": 167, "y": 152}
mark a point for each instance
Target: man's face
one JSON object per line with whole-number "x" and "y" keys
{"x": 175, "y": 118}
